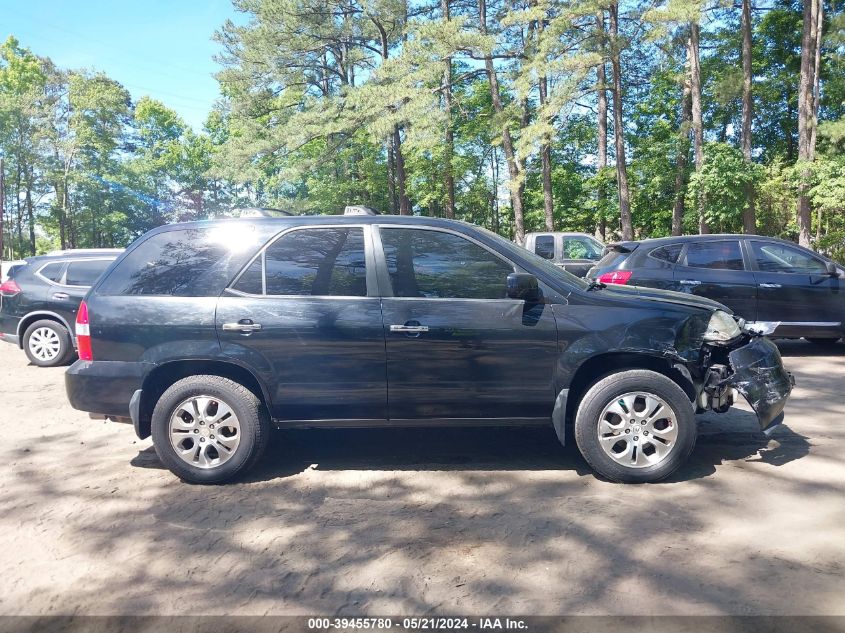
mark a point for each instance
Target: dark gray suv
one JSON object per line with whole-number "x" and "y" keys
{"x": 208, "y": 334}
{"x": 38, "y": 301}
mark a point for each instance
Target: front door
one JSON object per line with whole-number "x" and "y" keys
{"x": 716, "y": 269}
{"x": 306, "y": 314}
{"x": 457, "y": 347}
{"x": 795, "y": 290}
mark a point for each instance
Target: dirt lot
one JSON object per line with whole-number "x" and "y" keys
{"x": 412, "y": 522}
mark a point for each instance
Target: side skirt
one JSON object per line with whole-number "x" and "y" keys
{"x": 401, "y": 423}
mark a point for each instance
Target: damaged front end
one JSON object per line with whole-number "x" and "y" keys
{"x": 750, "y": 365}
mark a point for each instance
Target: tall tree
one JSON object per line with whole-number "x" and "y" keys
{"x": 694, "y": 46}
{"x": 749, "y": 221}
{"x": 448, "y": 167}
{"x": 601, "y": 115}
{"x": 618, "y": 125}
{"x": 806, "y": 114}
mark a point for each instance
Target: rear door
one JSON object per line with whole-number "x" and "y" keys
{"x": 79, "y": 276}
{"x": 306, "y": 315}
{"x": 716, "y": 269}
{"x": 457, "y": 347}
{"x": 795, "y": 289}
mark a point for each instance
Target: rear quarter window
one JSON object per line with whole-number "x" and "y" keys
{"x": 186, "y": 262}
{"x": 668, "y": 253}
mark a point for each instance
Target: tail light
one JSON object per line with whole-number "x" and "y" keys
{"x": 616, "y": 277}
{"x": 9, "y": 288}
{"x": 83, "y": 333}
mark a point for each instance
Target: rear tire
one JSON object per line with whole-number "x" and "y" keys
{"x": 47, "y": 344}
{"x": 822, "y": 341}
{"x": 209, "y": 429}
{"x": 635, "y": 426}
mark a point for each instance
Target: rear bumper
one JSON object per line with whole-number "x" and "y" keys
{"x": 104, "y": 387}
{"x": 10, "y": 338}
{"x": 758, "y": 374}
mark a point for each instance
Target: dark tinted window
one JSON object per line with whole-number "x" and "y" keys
{"x": 190, "y": 262}
{"x": 779, "y": 258}
{"x": 722, "y": 255}
{"x": 544, "y": 246}
{"x": 85, "y": 272}
{"x": 434, "y": 264}
{"x": 53, "y": 271}
{"x": 667, "y": 253}
{"x": 612, "y": 259}
{"x": 327, "y": 262}
{"x": 251, "y": 281}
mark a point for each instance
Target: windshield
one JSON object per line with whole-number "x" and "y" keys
{"x": 556, "y": 272}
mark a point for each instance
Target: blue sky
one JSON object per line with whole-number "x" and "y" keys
{"x": 159, "y": 48}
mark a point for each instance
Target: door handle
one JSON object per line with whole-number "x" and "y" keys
{"x": 690, "y": 282}
{"x": 61, "y": 296}
{"x": 244, "y": 326}
{"x": 409, "y": 329}
{"x": 770, "y": 286}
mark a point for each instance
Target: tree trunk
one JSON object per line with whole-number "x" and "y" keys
{"x": 618, "y": 130}
{"x": 448, "y": 170}
{"x": 2, "y": 205}
{"x": 697, "y": 124}
{"x": 681, "y": 165}
{"x": 546, "y": 157}
{"x": 404, "y": 203}
{"x": 749, "y": 221}
{"x": 515, "y": 184}
{"x": 601, "y": 81}
{"x": 30, "y": 212}
{"x": 391, "y": 178}
{"x": 806, "y": 120}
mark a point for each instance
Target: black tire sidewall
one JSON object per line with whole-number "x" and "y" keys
{"x": 65, "y": 343}
{"x": 254, "y": 427}
{"x": 614, "y": 385}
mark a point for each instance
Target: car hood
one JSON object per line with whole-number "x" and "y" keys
{"x": 664, "y": 296}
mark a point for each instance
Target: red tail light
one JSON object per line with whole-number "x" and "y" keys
{"x": 616, "y": 277}
{"x": 9, "y": 288}
{"x": 83, "y": 333}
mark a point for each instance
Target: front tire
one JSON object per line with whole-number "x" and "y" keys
{"x": 47, "y": 344}
{"x": 635, "y": 426}
{"x": 209, "y": 429}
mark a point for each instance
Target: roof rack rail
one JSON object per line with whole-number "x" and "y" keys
{"x": 77, "y": 251}
{"x": 254, "y": 212}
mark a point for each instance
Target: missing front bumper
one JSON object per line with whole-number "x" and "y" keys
{"x": 758, "y": 375}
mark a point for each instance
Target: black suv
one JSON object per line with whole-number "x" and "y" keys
{"x": 39, "y": 300}
{"x": 206, "y": 334}
{"x": 778, "y": 287}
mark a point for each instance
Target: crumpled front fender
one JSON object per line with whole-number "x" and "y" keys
{"x": 759, "y": 375}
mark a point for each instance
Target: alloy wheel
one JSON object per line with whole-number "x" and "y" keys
{"x": 638, "y": 429}
{"x": 204, "y": 431}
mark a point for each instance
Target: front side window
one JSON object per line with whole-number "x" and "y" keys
{"x": 327, "y": 262}
{"x": 720, "y": 255}
{"x": 85, "y": 272}
{"x": 439, "y": 265}
{"x": 780, "y": 258}
{"x": 581, "y": 248}
{"x": 544, "y": 246}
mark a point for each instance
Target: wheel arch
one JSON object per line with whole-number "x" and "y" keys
{"x": 162, "y": 376}
{"x": 597, "y": 367}
{"x": 43, "y": 315}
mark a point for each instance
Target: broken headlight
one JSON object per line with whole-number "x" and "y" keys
{"x": 721, "y": 328}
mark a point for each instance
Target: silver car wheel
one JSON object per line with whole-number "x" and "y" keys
{"x": 204, "y": 431}
{"x": 638, "y": 429}
{"x": 44, "y": 343}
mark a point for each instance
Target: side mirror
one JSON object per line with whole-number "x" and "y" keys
{"x": 832, "y": 270}
{"x": 523, "y": 286}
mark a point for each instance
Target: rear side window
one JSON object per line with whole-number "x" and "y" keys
{"x": 53, "y": 272}
{"x": 721, "y": 255}
{"x": 544, "y": 246}
{"x": 438, "y": 265}
{"x": 310, "y": 262}
{"x": 85, "y": 272}
{"x": 188, "y": 262}
{"x": 667, "y": 253}
{"x": 581, "y": 248}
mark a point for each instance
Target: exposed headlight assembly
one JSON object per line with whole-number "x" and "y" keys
{"x": 721, "y": 328}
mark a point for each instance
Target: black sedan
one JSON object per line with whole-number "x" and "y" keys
{"x": 786, "y": 290}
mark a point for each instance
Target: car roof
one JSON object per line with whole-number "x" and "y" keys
{"x": 67, "y": 255}
{"x": 710, "y": 237}
{"x": 562, "y": 233}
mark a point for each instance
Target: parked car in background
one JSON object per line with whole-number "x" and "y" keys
{"x": 786, "y": 290}
{"x": 576, "y": 253}
{"x": 39, "y": 300}
{"x": 207, "y": 334}
{"x": 7, "y": 268}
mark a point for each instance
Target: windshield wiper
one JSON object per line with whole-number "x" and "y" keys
{"x": 596, "y": 285}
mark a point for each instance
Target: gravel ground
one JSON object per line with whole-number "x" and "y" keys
{"x": 418, "y": 522}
